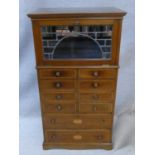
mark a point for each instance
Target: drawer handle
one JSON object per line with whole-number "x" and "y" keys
{"x": 53, "y": 137}
{"x": 52, "y": 121}
{"x": 58, "y": 97}
{"x": 77, "y": 137}
{"x": 77, "y": 121}
{"x": 94, "y": 108}
{"x": 95, "y": 74}
{"x": 59, "y": 107}
{"x": 100, "y": 137}
{"x": 95, "y": 97}
{"x": 95, "y": 85}
{"x": 57, "y": 74}
{"x": 103, "y": 121}
{"x": 58, "y": 85}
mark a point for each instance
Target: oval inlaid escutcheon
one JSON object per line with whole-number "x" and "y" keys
{"x": 77, "y": 121}
{"x": 77, "y": 137}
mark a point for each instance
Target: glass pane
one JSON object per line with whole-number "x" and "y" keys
{"x": 77, "y": 42}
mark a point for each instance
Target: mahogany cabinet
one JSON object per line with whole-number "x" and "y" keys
{"x": 77, "y": 57}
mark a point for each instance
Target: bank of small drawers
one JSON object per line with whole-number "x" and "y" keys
{"x": 75, "y": 101}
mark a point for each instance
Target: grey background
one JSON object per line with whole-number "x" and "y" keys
{"x": 30, "y": 120}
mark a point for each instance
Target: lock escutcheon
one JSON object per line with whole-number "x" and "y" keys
{"x": 77, "y": 121}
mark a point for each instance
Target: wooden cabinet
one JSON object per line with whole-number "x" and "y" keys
{"x": 77, "y": 56}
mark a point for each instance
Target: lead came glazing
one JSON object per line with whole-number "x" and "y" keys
{"x": 79, "y": 42}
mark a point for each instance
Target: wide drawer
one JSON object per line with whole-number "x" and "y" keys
{"x": 77, "y": 121}
{"x": 57, "y": 73}
{"x": 97, "y": 73}
{"x": 65, "y": 97}
{"x": 96, "y": 108}
{"x": 100, "y": 136}
{"x": 59, "y": 108}
{"x": 97, "y": 85}
{"x": 96, "y": 97}
{"x": 57, "y": 85}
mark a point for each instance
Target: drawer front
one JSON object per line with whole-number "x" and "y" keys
{"x": 96, "y": 108}
{"x": 97, "y": 73}
{"x": 57, "y": 85}
{"x": 96, "y": 97}
{"x": 97, "y": 85}
{"x": 57, "y": 73}
{"x": 65, "y": 97}
{"x": 101, "y": 136}
{"x": 59, "y": 108}
{"x": 77, "y": 122}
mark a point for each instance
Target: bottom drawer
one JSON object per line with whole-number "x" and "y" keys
{"x": 102, "y": 136}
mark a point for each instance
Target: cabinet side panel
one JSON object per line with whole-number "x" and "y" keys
{"x": 41, "y": 103}
{"x": 37, "y": 42}
{"x": 118, "y": 24}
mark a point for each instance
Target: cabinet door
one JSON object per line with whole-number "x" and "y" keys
{"x": 88, "y": 41}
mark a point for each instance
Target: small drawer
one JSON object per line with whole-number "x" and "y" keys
{"x": 101, "y": 136}
{"x": 96, "y": 97}
{"x": 59, "y": 108}
{"x": 64, "y": 97}
{"x": 103, "y": 86}
{"x": 77, "y": 122}
{"x": 97, "y": 73}
{"x": 57, "y": 73}
{"x": 96, "y": 108}
{"x": 57, "y": 85}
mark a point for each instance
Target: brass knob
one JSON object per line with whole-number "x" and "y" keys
{"x": 57, "y": 73}
{"x": 59, "y": 97}
{"x": 94, "y": 108}
{"x": 58, "y": 85}
{"x": 100, "y": 137}
{"x": 95, "y": 85}
{"x": 53, "y": 137}
{"x": 95, "y": 74}
{"x": 95, "y": 97}
{"x": 59, "y": 107}
{"x": 52, "y": 121}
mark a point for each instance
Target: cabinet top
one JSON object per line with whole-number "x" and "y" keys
{"x": 104, "y": 12}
